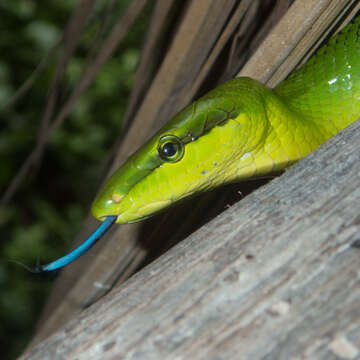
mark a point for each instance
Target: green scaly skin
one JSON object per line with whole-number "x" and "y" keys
{"x": 239, "y": 130}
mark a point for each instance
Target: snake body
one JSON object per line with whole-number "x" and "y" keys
{"x": 241, "y": 129}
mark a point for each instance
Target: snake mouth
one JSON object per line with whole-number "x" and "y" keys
{"x": 144, "y": 212}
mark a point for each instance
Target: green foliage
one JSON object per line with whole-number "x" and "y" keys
{"x": 51, "y": 204}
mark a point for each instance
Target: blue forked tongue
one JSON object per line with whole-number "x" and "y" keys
{"x": 81, "y": 249}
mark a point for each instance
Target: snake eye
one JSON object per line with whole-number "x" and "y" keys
{"x": 170, "y": 148}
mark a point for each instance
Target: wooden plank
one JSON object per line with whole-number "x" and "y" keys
{"x": 275, "y": 277}
{"x": 237, "y": 17}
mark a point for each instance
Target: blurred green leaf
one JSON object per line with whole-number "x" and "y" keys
{"x": 44, "y": 35}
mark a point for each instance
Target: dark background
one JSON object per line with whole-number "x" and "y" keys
{"x": 49, "y": 206}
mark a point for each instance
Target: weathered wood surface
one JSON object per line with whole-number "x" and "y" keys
{"x": 273, "y": 277}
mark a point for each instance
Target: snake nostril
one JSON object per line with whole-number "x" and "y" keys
{"x": 116, "y": 197}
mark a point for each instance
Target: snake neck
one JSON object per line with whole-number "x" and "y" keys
{"x": 271, "y": 134}
{"x": 326, "y": 90}
{"x": 304, "y": 111}
{"x": 284, "y": 134}
{"x": 313, "y": 104}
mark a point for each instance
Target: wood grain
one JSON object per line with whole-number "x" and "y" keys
{"x": 273, "y": 277}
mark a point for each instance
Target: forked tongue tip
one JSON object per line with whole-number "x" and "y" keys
{"x": 77, "y": 252}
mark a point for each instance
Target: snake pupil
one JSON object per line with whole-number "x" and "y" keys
{"x": 169, "y": 149}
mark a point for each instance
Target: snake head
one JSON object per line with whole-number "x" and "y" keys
{"x": 196, "y": 151}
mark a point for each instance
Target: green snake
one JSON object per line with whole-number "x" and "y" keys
{"x": 239, "y": 130}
